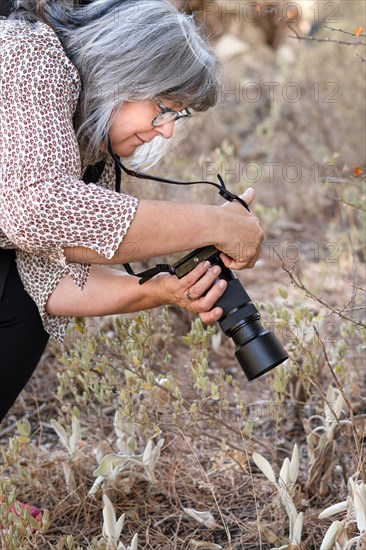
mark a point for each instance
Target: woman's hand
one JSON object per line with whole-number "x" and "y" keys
{"x": 189, "y": 292}
{"x": 241, "y": 242}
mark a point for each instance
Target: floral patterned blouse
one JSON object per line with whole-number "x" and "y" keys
{"x": 44, "y": 204}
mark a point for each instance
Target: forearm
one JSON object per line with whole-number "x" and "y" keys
{"x": 159, "y": 228}
{"x": 107, "y": 292}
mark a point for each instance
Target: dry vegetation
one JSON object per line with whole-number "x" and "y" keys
{"x": 153, "y": 411}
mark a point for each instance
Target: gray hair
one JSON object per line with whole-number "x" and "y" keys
{"x": 129, "y": 50}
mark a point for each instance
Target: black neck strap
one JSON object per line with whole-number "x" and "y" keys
{"x": 227, "y": 195}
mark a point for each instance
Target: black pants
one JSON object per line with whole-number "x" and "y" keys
{"x": 22, "y": 336}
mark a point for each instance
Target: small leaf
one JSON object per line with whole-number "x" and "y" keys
{"x": 284, "y": 478}
{"x": 147, "y": 452}
{"x": 109, "y": 516}
{"x": 97, "y": 483}
{"x": 358, "y": 30}
{"x": 330, "y": 536}
{"x": 205, "y": 518}
{"x": 75, "y": 435}
{"x": 214, "y": 392}
{"x": 282, "y": 292}
{"x": 204, "y": 545}
{"x": 292, "y": 516}
{"x": 61, "y": 432}
{"x": 109, "y": 463}
{"x": 279, "y": 384}
{"x": 265, "y": 467}
{"x": 294, "y": 464}
{"x": 359, "y": 500}
{"x": 299, "y": 522}
{"x": 334, "y": 509}
{"x": 119, "y": 527}
{"x": 24, "y": 428}
{"x": 134, "y": 542}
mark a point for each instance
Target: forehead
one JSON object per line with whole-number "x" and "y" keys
{"x": 177, "y": 105}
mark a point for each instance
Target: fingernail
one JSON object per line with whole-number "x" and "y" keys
{"x": 206, "y": 265}
{"x": 222, "y": 283}
{"x": 216, "y": 269}
{"x": 249, "y": 190}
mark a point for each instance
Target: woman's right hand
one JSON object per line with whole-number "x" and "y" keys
{"x": 240, "y": 234}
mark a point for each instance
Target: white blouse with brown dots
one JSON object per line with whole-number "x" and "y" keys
{"x": 44, "y": 204}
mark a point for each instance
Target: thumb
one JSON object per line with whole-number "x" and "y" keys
{"x": 248, "y": 196}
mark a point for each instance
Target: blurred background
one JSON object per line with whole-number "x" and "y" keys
{"x": 153, "y": 409}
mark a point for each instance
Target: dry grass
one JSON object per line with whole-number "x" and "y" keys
{"x": 206, "y": 460}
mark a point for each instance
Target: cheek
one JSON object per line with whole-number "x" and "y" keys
{"x": 132, "y": 119}
{"x": 120, "y": 128}
{"x": 124, "y": 129}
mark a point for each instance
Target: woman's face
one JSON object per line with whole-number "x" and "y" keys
{"x": 133, "y": 127}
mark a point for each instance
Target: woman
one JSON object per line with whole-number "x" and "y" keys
{"x": 75, "y": 81}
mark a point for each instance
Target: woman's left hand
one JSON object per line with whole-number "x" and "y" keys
{"x": 189, "y": 292}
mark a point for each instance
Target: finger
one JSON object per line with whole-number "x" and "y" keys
{"x": 207, "y": 302}
{"x": 238, "y": 265}
{"x": 211, "y": 317}
{"x": 248, "y": 196}
{"x": 230, "y": 263}
{"x": 205, "y": 282}
{"x": 193, "y": 276}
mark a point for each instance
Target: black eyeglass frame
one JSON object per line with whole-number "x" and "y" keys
{"x": 176, "y": 115}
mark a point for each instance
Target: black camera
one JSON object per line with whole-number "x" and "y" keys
{"x": 257, "y": 349}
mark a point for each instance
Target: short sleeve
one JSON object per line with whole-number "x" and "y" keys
{"x": 44, "y": 204}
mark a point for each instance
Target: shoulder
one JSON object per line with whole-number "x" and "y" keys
{"x": 26, "y": 46}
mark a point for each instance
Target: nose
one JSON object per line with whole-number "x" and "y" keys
{"x": 166, "y": 130}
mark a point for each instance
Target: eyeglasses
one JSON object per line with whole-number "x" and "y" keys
{"x": 169, "y": 115}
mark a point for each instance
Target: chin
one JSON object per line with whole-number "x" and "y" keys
{"x": 124, "y": 152}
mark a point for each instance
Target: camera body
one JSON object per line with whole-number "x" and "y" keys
{"x": 257, "y": 350}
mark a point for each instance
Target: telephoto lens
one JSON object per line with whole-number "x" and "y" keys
{"x": 257, "y": 349}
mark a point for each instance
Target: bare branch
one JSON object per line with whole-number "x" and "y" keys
{"x": 347, "y": 203}
{"x": 327, "y": 39}
{"x": 299, "y": 284}
{"x": 340, "y": 388}
{"x": 344, "y": 32}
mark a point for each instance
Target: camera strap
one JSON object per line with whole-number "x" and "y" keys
{"x": 165, "y": 268}
{"x": 150, "y": 273}
{"x": 227, "y": 195}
